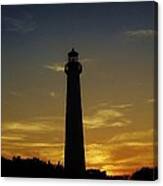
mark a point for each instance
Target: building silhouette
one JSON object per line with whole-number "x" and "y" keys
{"x": 74, "y": 159}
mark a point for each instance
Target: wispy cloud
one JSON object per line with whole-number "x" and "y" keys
{"x": 41, "y": 145}
{"x": 15, "y": 93}
{"x": 35, "y": 125}
{"x": 22, "y": 24}
{"x": 117, "y": 158}
{"x": 41, "y": 135}
{"x": 105, "y": 118}
{"x": 56, "y": 67}
{"x": 12, "y": 138}
{"x": 109, "y": 113}
{"x": 132, "y": 136}
{"x": 118, "y": 124}
{"x": 86, "y": 60}
{"x": 122, "y": 155}
{"x": 122, "y": 106}
{"x": 25, "y": 126}
{"x": 52, "y": 94}
{"x": 145, "y": 33}
{"x": 105, "y": 105}
{"x": 151, "y": 100}
{"x": 96, "y": 154}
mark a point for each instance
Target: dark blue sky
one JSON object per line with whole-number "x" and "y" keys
{"x": 49, "y": 27}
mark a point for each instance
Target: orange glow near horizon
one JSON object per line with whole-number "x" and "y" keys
{"x": 122, "y": 154}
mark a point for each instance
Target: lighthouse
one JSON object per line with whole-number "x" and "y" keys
{"x": 74, "y": 157}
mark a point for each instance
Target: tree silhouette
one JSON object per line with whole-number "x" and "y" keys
{"x": 36, "y": 168}
{"x": 33, "y": 167}
{"x": 145, "y": 173}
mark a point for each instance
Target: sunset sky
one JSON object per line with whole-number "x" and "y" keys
{"x": 116, "y": 46}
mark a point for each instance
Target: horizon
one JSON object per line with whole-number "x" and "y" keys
{"x": 87, "y": 169}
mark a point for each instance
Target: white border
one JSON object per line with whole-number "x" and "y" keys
{"x": 42, "y": 182}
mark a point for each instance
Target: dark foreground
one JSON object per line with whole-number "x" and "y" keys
{"x": 36, "y": 168}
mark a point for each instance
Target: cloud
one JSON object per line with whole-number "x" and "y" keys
{"x": 25, "y": 126}
{"x": 23, "y": 24}
{"x": 109, "y": 113}
{"x": 140, "y": 33}
{"x": 42, "y": 136}
{"x": 105, "y": 118}
{"x": 122, "y": 157}
{"x": 118, "y": 124}
{"x": 45, "y": 151}
{"x": 96, "y": 154}
{"x": 108, "y": 116}
{"x": 52, "y": 94}
{"x": 12, "y": 138}
{"x": 132, "y": 136}
{"x": 14, "y": 93}
{"x": 34, "y": 125}
{"x": 122, "y": 106}
{"x": 123, "y": 153}
{"x": 46, "y": 118}
{"x": 86, "y": 60}
{"x": 151, "y": 100}
{"x": 131, "y": 156}
{"x": 37, "y": 144}
{"x": 55, "y": 67}
{"x": 105, "y": 104}
{"x": 59, "y": 66}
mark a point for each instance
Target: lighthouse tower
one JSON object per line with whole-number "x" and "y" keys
{"x": 74, "y": 158}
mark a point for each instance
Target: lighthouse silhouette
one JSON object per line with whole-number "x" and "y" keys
{"x": 74, "y": 158}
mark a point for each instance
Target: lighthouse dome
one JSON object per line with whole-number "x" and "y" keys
{"x": 73, "y": 53}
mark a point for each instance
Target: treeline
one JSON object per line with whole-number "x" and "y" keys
{"x": 30, "y": 167}
{"x": 36, "y": 168}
